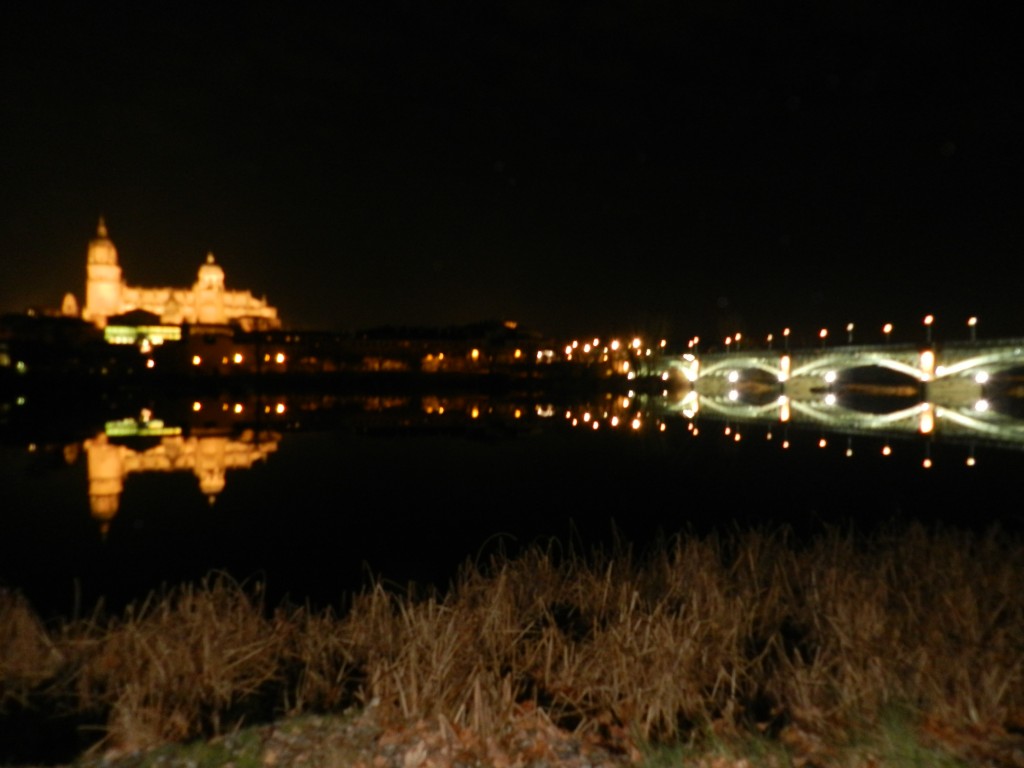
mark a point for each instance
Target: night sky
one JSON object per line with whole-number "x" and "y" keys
{"x": 668, "y": 167}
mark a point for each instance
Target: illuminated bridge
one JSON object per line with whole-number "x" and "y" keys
{"x": 953, "y": 372}
{"x": 953, "y": 390}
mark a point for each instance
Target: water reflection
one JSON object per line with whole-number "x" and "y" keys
{"x": 207, "y": 456}
{"x": 208, "y": 434}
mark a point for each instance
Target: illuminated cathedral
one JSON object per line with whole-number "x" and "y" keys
{"x": 206, "y": 302}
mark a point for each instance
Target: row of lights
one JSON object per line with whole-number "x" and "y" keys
{"x": 887, "y": 328}
{"x": 238, "y": 358}
{"x": 886, "y": 449}
{"x": 239, "y": 408}
{"x": 735, "y": 435}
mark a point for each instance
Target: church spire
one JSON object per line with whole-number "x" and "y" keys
{"x": 101, "y": 228}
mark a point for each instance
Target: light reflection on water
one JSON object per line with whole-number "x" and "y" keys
{"x": 315, "y": 492}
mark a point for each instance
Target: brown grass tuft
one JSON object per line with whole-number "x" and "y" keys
{"x": 753, "y": 630}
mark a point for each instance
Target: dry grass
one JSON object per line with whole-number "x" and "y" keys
{"x": 752, "y": 631}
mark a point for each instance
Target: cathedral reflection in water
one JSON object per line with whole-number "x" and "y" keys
{"x": 210, "y": 434}
{"x": 207, "y": 457}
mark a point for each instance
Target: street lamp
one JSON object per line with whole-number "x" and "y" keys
{"x": 849, "y": 333}
{"x": 823, "y": 334}
{"x": 738, "y": 336}
{"x": 770, "y": 338}
{"x": 785, "y": 337}
{"x": 972, "y": 323}
{"x": 887, "y": 330}
{"x": 928, "y": 320}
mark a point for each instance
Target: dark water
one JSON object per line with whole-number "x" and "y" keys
{"x": 409, "y": 488}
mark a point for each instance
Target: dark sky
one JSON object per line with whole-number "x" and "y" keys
{"x": 677, "y": 167}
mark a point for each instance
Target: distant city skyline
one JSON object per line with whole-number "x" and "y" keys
{"x": 674, "y": 170}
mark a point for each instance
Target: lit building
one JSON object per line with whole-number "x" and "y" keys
{"x": 206, "y": 302}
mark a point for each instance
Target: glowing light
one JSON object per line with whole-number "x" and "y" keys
{"x": 663, "y": 343}
{"x": 831, "y": 377}
{"x": 972, "y": 322}
{"x": 887, "y": 329}
{"x": 727, "y": 431}
{"x": 279, "y": 408}
{"x": 849, "y": 452}
{"x": 517, "y": 354}
{"x": 926, "y": 425}
{"x": 822, "y": 442}
{"x": 568, "y": 350}
{"x": 615, "y": 345}
{"x": 474, "y": 353}
{"x": 785, "y": 445}
{"x": 734, "y": 395}
{"x": 981, "y": 377}
{"x": 586, "y": 347}
{"x": 595, "y": 425}
{"x": 237, "y": 358}
{"x": 279, "y": 358}
{"x": 664, "y": 376}
{"x": 197, "y": 406}
{"x": 625, "y": 366}
{"x": 830, "y": 399}
{"x": 929, "y": 319}
{"x": 886, "y": 450}
{"x": 586, "y": 417}
{"x": 238, "y": 408}
{"x": 927, "y": 364}
{"x": 196, "y": 360}
{"x": 927, "y": 463}
{"x": 517, "y": 414}
{"x": 614, "y": 421}
{"x": 661, "y": 427}
{"x": 575, "y": 422}
{"x": 636, "y": 423}
{"x": 150, "y": 363}
{"x": 636, "y": 343}
{"x": 971, "y": 461}
{"x": 981, "y": 406}
{"x": 474, "y": 413}
{"x": 737, "y": 437}
{"x": 784, "y": 365}
{"x": 823, "y": 333}
{"x": 696, "y": 431}
{"x": 783, "y": 408}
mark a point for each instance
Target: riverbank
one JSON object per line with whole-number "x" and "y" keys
{"x": 803, "y": 643}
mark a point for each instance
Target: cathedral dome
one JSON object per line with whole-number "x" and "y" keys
{"x": 210, "y": 274}
{"x": 101, "y": 248}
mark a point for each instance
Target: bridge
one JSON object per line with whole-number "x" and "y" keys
{"x": 953, "y": 373}
{"x": 942, "y": 391}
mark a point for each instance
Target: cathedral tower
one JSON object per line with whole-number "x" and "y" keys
{"x": 209, "y": 293}
{"x": 103, "y": 284}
